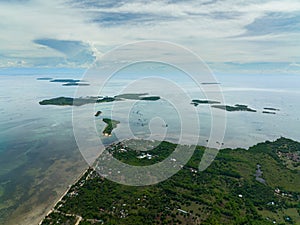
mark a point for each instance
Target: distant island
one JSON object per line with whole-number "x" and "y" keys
{"x": 196, "y": 102}
{"x": 98, "y": 113}
{"x": 44, "y": 78}
{"x": 271, "y": 109}
{"x": 64, "y": 80}
{"x": 137, "y": 96}
{"x": 268, "y": 112}
{"x": 210, "y": 83}
{"x": 236, "y": 107}
{"x": 110, "y": 125}
{"x": 76, "y": 84}
{"x": 68, "y": 101}
{"x": 239, "y": 187}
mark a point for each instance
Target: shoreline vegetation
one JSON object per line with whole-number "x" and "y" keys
{"x": 228, "y": 192}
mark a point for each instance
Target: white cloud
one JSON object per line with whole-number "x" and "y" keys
{"x": 214, "y": 31}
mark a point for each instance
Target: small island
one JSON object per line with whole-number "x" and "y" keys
{"x": 196, "y": 102}
{"x": 44, "y": 78}
{"x": 137, "y": 96}
{"x": 98, "y": 113}
{"x": 271, "y": 109}
{"x": 236, "y": 107}
{"x": 150, "y": 98}
{"x": 76, "y": 84}
{"x": 64, "y": 81}
{"x": 111, "y": 124}
{"x": 268, "y": 112}
{"x": 209, "y": 83}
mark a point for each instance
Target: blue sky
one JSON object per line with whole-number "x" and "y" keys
{"x": 231, "y": 36}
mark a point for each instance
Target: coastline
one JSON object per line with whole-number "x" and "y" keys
{"x": 276, "y": 146}
{"x": 63, "y": 195}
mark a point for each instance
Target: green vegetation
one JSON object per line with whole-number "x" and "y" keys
{"x": 225, "y": 193}
{"x": 141, "y": 157}
{"x": 236, "y": 107}
{"x": 111, "y": 124}
{"x": 59, "y": 218}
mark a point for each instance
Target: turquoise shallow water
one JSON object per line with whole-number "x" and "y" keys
{"x": 34, "y": 137}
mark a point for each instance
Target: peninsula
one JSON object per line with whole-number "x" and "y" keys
{"x": 228, "y": 192}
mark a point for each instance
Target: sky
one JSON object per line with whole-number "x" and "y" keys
{"x": 253, "y": 36}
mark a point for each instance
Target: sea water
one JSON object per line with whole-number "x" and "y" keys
{"x": 34, "y": 137}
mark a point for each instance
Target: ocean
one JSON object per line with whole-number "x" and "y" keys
{"x": 39, "y": 156}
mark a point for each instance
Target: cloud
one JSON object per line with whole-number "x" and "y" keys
{"x": 74, "y": 51}
{"x": 274, "y": 23}
{"x": 71, "y": 32}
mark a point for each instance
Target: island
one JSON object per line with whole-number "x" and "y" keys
{"x": 110, "y": 125}
{"x": 236, "y": 107}
{"x": 64, "y": 80}
{"x": 98, "y": 113}
{"x": 44, "y": 78}
{"x": 76, "y": 84}
{"x": 271, "y": 109}
{"x": 196, "y": 102}
{"x": 69, "y": 101}
{"x": 210, "y": 83}
{"x": 136, "y": 96}
{"x": 58, "y": 101}
{"x": 268, "y": 112}
{"x": 227, "y": 192}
